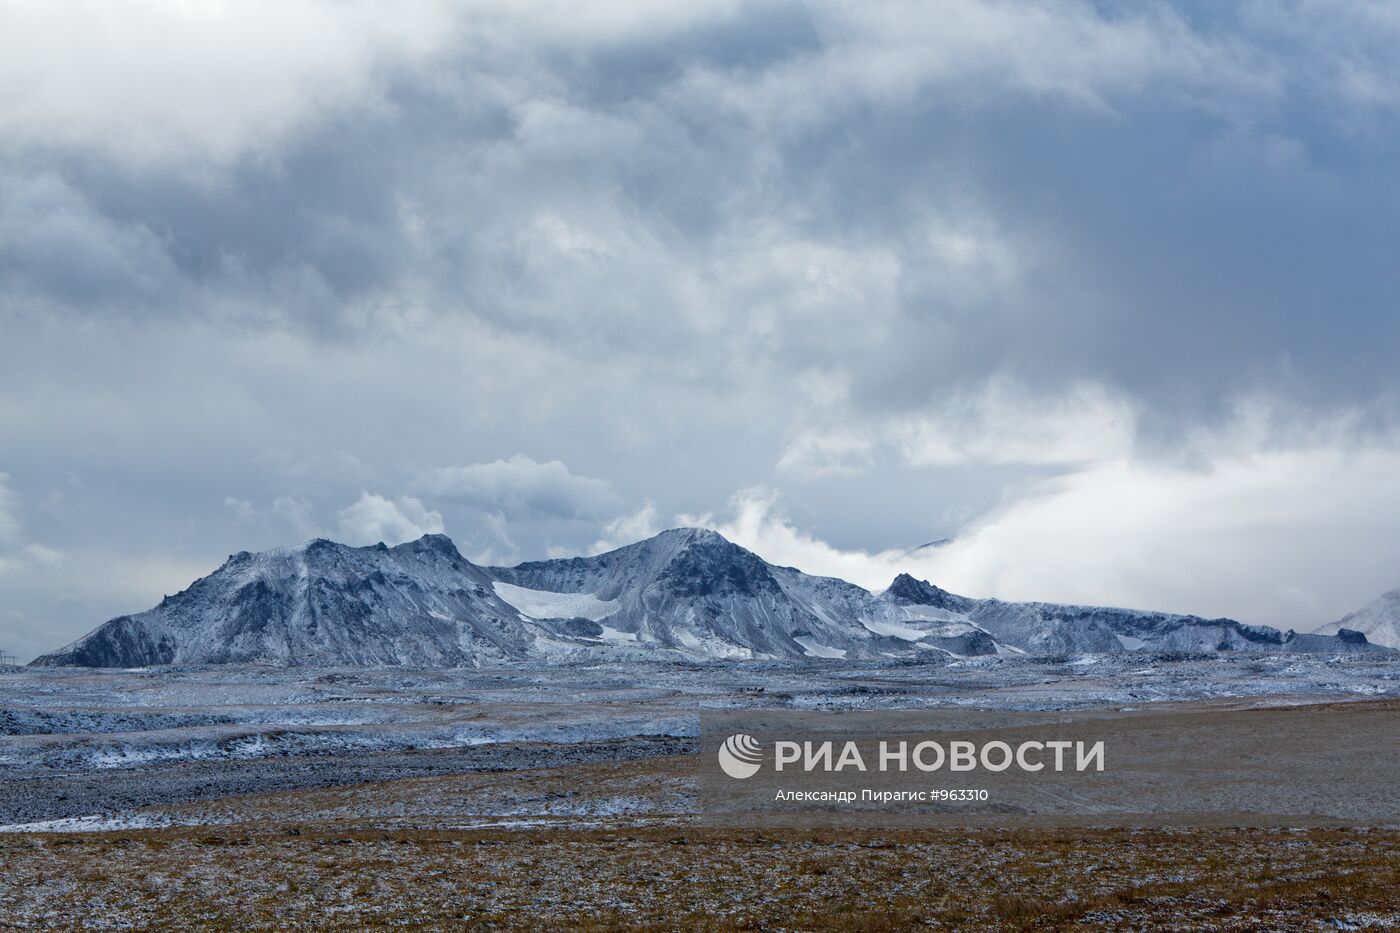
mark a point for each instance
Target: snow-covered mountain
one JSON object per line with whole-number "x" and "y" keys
{"x": 693, "y": 591}
{"x": 1379, "y": 621}
{"x": 683, "y": 593}
{"x": 419, "y": 604}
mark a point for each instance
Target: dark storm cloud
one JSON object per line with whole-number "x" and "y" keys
{"x": 573, "y": 191}
{"x": 308, "y": 269}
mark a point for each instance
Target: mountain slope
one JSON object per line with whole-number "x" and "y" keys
{"x": 693, "y": 591}
{"x": 1050, "y": 628}
{"x": 1379, "y": 621}
{"x": 419, "y": 604}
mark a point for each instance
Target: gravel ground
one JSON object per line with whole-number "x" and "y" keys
{"x": 44, "y": 797}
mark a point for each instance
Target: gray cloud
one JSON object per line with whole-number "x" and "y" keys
{"x": 896, "y": 262}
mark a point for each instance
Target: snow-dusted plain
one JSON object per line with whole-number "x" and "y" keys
{"x": 114, "y": 733}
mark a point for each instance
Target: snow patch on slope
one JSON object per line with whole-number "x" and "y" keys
{"x": 817, "y": 650}
{"x": 933, "y": 614}
{"x": 893, "y": 630}
{"x": 543, "y": 604}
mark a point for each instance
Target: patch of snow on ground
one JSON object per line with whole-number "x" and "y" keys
{"x": 817, "y": 650}
{"x": 543, "y": 604}
{"x": 616, "y": 635}
{"x": 88, "y": 824}
{"x": 893, "y": 630}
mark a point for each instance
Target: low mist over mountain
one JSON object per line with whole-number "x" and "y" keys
{"x": 687, "y": 593}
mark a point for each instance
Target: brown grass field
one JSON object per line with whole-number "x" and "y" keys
{"x": 428, "y": 854}
{"x": 665, "y": 878}
{"x": 619, "y": 845}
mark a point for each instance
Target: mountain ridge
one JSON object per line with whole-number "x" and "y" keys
{"x": 686, "y": 592}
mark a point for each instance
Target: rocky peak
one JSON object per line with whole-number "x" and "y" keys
{"x": 709, "y": 564}
{"x": 907, "y": 589}
{"x": 435, "y": 543}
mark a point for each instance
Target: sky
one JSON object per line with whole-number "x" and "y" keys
{"x": 1105, "y": 293}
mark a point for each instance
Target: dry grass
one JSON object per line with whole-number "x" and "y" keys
{"x": 665, "y": 879}
{"x": 392, "y": 855}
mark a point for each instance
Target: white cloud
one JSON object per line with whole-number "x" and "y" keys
{"x": 757, "y": 524}
{"x": 1270, "y": 536}
{"x": 43, "y": 554}
{"x": 1345, "y": 50}
{"x": 298, "y": 514}
{"x": 626, "y": 529}
{"x": 9, "y": 527}
{"x": 285, "y": 510}
{"x": 9, "y": 507}
{"x": 522, "y": 487}
{"x": 823, "y": 453}
{"x": 562, "y": 23}
{"x": 996, "y": 422}
{"x": 162, "y": 80}
{"x": 824, "y": 387}
{"x": 15, "y": 553}
{"x": 893, "y": 53}
{"x": 1290, "y": 533}
{"x": 243, "y": 510}
{"x": 812, "y": 282}
{"x": 373, "y": 518}
{"x": 1001, "y": 423}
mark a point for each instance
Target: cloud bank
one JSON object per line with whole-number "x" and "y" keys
{"x": 1285, "y": 536}
{"x": 542, "y": 276}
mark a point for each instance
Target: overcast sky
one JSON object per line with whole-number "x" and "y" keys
{"x": 1106, "y": 292}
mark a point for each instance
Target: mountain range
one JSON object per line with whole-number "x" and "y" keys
{"x": 685, "y": 593}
